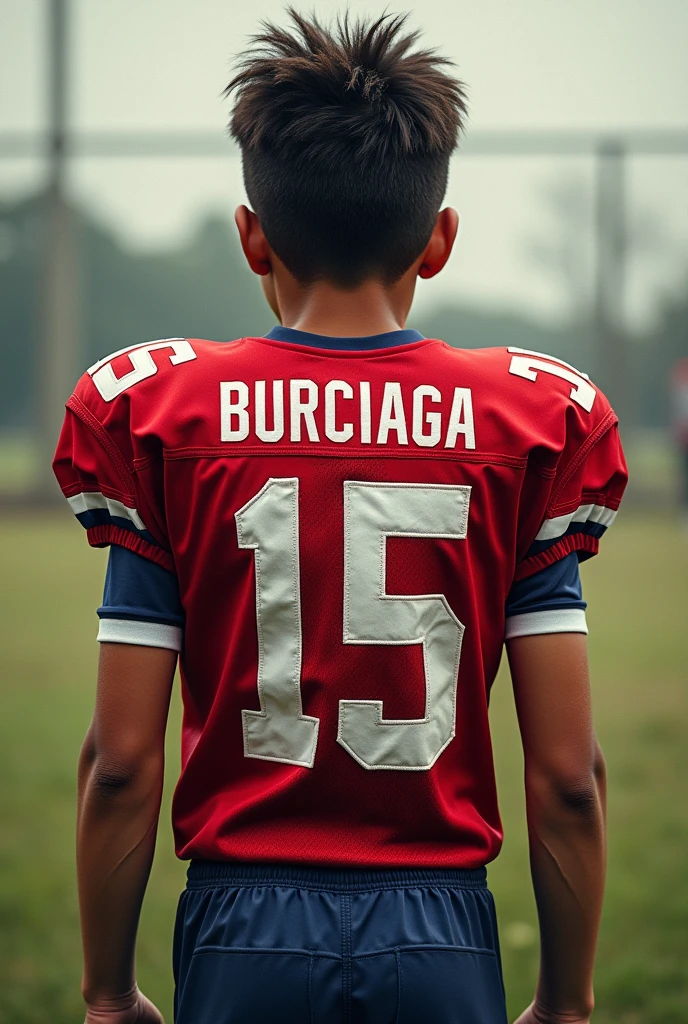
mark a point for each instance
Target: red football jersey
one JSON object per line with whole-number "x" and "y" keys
{"x": 345, "y": 528}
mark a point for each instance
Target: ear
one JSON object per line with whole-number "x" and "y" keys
{"x": 438, "y": 249}
{"x": 253, "y": 241}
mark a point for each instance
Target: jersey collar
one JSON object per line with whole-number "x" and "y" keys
{"x": 372, "y": 341}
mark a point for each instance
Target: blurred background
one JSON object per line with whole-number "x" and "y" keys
{"x": 117, "y": 187}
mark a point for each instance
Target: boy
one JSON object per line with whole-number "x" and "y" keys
{"x": 337, "y": 526}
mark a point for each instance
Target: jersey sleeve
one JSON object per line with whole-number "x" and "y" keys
{"x": 549, "y": 601}
{"x": 141, "y": 603}
{"x": 587, "y": 485}
{"x": 95, "y": 468}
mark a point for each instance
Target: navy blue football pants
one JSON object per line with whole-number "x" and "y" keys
{"x": 282, "y": 944}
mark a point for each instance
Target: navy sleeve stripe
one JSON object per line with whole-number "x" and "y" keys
{"x": 88, "y": 501}
{"x": 101, "y": 517}
{"x": 94, "y": 509}
{"x": 138, "y": 615}
{"x": 557, "y": 526}
{"x": 590, "y": 529}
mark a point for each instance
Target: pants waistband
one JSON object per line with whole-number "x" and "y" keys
{"x": 208, "y": 873}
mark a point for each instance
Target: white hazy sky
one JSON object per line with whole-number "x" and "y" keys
{"x": 564, "y": 64}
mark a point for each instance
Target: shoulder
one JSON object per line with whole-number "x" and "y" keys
{"x": 547, "y": 391}
{"x": 553, "y": 375}
{"x": 157, "y": 372}
{"x": 122, "y": 370}
{"x": 530, "y": 400}
{"x": 148, "y": 392}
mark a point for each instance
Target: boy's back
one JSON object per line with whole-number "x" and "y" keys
{"x": 383, "y": 501}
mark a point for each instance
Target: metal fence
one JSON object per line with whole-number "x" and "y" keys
{"x": 59, "y": 144}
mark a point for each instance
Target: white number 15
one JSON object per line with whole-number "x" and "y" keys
{"x": 269, "y": 524}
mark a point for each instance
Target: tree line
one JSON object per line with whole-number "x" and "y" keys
{"x": 202, "y": 288}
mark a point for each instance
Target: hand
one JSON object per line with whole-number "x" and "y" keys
{"x": 131, "y": 1008}
{"x": 538, "y": 1014}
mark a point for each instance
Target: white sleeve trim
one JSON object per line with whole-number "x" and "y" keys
{"x": 87, "y": 500}
{"x": 553, "y": 620}
{"x": 144, "y": 634}
{"x": 557, "y": 527}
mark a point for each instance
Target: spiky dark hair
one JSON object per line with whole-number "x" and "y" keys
{"x": 346, "y": 134}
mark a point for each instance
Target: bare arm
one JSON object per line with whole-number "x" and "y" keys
{"x": 119, "y": 790}
{"x": 565, "y": 799}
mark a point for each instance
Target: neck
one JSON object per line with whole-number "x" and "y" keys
{"x": 371, "y": 308}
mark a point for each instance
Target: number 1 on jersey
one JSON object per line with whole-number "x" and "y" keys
{"x": 269, "y": 525}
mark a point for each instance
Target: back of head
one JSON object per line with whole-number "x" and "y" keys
{"x": 346, "y": 135}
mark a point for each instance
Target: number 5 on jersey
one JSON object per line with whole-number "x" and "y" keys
{"x": 269, "y": 525}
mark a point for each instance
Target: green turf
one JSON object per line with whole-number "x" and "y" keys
{"x": 638, "y": 596}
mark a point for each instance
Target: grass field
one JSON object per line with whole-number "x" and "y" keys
{"x": 638, "y": 597}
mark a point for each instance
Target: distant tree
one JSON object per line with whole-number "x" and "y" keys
{"x": 656, "y": 357}
{"x": 20, "y": 247}
{"x": 564, "y": 250}
{"x": 203, "y": 289}
{"x": 466, "y": 327}
{"x": 200, "y": 289}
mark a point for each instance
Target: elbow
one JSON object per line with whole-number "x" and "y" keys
{"x": 565, "y": 795}
{"x": 599, "y": 765}
{"x": 113, "y": 779}
{"x": 579, "y": 798}
{"x": 109, "y": 777}
{"x": 88, "y": 752}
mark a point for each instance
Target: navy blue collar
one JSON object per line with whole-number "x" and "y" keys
{"x": 372, "y": 341}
